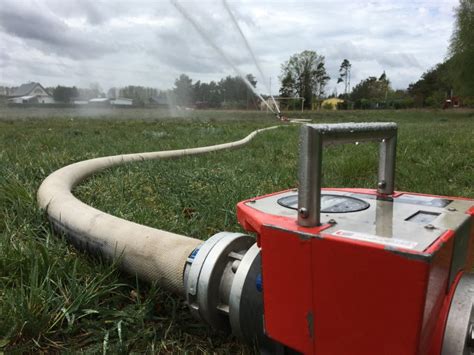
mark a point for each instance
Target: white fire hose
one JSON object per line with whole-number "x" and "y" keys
{"x": 151, "y": 254}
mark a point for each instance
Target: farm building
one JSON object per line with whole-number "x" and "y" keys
{"x": 31, "y": 93}
{"x": 121, "y": 101}
{"x": 100, "y": 101}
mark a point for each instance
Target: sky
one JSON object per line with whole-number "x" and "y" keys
{"x": 150, "y": 43}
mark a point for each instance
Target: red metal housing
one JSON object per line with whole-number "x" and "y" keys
{"x": 329, "y": 294}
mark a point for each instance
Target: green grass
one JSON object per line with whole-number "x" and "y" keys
{"x": 55, "y": 298}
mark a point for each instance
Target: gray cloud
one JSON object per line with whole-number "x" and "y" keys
{"x": 48, "y": 32}
{"x": 147, "y": 42}
{"x": 4, "y": 57}
{"x": 399, "y": 60}
{"x": 95, "y": 12}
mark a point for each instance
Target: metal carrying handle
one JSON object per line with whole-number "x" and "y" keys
{"x": 312, "y": 139}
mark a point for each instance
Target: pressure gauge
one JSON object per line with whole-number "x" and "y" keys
{"x": 329, "y": 203}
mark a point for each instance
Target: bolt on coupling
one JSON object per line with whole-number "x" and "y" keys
{"x": 220, "y": 282}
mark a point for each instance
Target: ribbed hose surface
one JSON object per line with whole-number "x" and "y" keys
{"x": 152, "y": 254}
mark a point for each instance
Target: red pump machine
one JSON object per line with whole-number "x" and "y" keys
{"x": 343, "y": 271}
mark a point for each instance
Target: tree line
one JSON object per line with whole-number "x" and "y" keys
{"x": 304, "y": 76}
{"x": 456, "y": 74}
{"x": 230, "y": 92}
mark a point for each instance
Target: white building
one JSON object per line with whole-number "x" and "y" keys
{"x": 122, "y": 101}
{"x": 80, "y": 102}
{"x": 100, "y": 101}
{"x": 31, "y": 93}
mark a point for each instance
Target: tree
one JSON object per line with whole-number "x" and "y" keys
{"x": 321, "y": 80}
{"x": 112, "y": 93}
{"x": 462, "y": 48}
{"x": 214, "y": 94}
{"x": 65, "y": 94}
{"x": 251, "y": 97}
{"x": 96, "y": 90}
{"x": 433, "y": 86}
{"x": 252, "y": 80}
{"x": 183, "y": 90}
{"x": 287, "y": 88}
{"x": 235, "y": 92}
{"x": 345, "y": 74}
{"x": 384, "y": 85}
{"x": 371, "y": 89}
{"x": 304, "y": 74}
{"x": 207, "y": 94}
{"x": 231, "y": 91}
{"x": 139, "y": 94}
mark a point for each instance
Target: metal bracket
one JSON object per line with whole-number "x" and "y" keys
{"x": 312, "y": 139}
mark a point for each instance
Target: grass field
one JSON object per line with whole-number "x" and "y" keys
{"x": 55, "y": 298}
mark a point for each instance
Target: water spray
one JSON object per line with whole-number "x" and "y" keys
{"x": 205, "y": 36}
{"x": 249, "y": 49}
{"x": 331, "y": 271}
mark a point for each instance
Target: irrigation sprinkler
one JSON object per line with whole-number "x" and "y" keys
{"x": 331, "y": 270}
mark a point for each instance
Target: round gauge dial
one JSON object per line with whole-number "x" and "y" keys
{"x": 329, "y": 203}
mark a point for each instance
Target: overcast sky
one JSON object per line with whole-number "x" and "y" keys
{"x": 149, "y": 42}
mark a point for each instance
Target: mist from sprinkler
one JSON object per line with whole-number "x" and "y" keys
{"x": 219, "y": 51}
{"x": 252, "y": 54}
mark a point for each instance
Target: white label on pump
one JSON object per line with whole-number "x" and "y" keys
{"x": 394, "y": 242}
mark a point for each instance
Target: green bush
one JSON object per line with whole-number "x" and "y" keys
{"x": 436, "y": 100}
{"x": 234, "y": 105}
{"x": 468, "y": 102}
{"x": 364, "y": 104}
{"x": 345, "y": 105}
{"x": 401, "y": 103}
{"x": 328, "y": 106}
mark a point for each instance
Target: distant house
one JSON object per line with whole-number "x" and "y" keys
{"x": 31, "y": 93}
{"x": 80, "y": 102}
{"x": 100, "y": 101}
{"x": 121, "y": 101}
